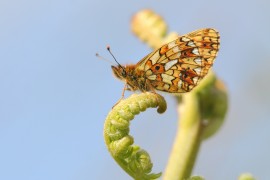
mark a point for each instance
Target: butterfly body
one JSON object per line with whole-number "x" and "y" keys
{"x": 175, "y": 67}
{"x": 134, "y": 78}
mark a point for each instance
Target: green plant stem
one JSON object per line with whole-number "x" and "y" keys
{"x": 187, "y": 142}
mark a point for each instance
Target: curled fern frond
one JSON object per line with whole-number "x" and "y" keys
{"x": 135, "y": 161}
{"x": 151, "y": 28}
{"x": 246, "y": 176}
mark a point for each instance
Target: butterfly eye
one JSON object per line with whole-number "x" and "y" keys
{"x": 124, "y": 74}
{"x": 133, "y": 77}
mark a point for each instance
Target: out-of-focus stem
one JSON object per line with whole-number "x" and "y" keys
{"x": 187, "y": 140}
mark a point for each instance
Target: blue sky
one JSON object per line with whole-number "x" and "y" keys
{"x": 55, "y": 94}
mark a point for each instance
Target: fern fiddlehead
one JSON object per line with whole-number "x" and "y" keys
{"x": 134, "y": 160}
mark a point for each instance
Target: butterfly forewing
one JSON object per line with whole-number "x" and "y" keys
{"x": 178, "y": 66}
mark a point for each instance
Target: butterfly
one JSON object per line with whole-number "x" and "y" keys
{"x": 176, "y": 67}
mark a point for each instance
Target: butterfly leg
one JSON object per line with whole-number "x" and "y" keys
{"x": 123, "y": 94}
{"x": 151, "y": 88}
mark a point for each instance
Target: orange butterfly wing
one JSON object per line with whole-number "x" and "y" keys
{"x": 178, "y": 66}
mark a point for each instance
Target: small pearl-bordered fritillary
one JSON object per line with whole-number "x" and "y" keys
{"x": 175, "y": 67}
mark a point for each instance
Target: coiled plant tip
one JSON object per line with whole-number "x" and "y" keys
{"x": 134, "y": 160}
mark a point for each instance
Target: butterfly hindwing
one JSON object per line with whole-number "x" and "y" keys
{"x": 179, "y": 65}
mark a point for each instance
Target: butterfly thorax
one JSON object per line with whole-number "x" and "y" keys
{"x": 134, "y": 77}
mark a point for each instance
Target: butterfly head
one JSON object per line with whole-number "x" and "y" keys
{"x": 119, "y": 71}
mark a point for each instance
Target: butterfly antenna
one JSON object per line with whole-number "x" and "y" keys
{"x": 109, "y": 49}
{"x": 104, "y": 59}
